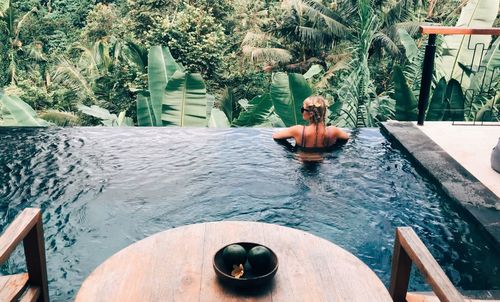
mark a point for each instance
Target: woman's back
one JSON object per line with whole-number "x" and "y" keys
{"x": 316, "y": 136}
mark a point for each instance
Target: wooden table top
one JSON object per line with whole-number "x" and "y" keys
{"x": 176, "y": 265}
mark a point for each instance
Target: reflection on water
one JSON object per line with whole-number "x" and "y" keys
{"x": 101, "y": 189}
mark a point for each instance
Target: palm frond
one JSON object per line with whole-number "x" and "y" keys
{"x": 320, "y": 15}
{"x": 254, "y": 38}
{"x": 68, "y": 75}
{"x": 383, "y": 40}
{"x": 400, "y": 12}
{"x": 310, "y": 34}
{"x": 262, "y": 54}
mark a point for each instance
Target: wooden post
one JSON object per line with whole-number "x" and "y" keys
{"x": 34, "y": 250}
{"x": 400, "y": 272}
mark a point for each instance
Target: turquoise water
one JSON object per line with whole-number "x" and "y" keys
{"x": 103, "y": 188}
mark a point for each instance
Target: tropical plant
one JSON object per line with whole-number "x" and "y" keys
{"x": 60, "y": 118}
{"x": 107, "y": 119}
{"x": 358, "y": 104}
{"x": 255, "y": 112}
{"x": 484, "y": 84}
{"x": 185, "y": 102}
{"x": 175, "y": 96}
{"x": 14, "y": 24}
{"x": 461, "y": 48}
{"x": 288, "y": 91}
{"x": 197, "y": 40}
{"x": 15, "y": 112}
{"x": 101, "y": 74}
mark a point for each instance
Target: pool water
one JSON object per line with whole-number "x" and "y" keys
{"x": 102, "y": 189}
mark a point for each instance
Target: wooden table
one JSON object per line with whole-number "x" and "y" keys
{"x": 176, "y": 265}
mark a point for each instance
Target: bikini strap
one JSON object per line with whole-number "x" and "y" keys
{"x": 326, "y": 140}
{"x": 302, "y": 144}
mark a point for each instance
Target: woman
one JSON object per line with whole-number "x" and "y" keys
{"x": 316, "y": 135}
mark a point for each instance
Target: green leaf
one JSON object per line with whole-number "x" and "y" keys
{"x": 145, "y": 112}
{"x": 314, "y": 70}
{"x": 97, "y": 112}
{"x": 218, "y": 119}
{"x": 227, "y": 103}
{"x": 482, "y": 79}
{"x": 406, "y": 104}
{"x": 486, "y": 113}
{"x": 411, "y": 49}
{"x": 185, "y": 101}
{"x": 478, "y": 14}
{"x": 272, "y": 121}
{"x": 159, "y": 69}
{"x": 456, "y": 99}
{"x": 257, "y": 111}
{"x": 288, "y": 91}
{"x": 124, "y": 121}
{"x": 210, "y": 106}
{"x": 20, "y": 112}
{"x": 438, "y": 102}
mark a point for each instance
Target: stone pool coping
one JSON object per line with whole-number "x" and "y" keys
{"x": 460, "y": 185}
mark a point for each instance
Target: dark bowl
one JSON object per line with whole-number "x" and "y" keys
{"x": 250, "y": 279}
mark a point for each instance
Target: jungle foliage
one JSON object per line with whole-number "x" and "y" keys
{"x": 235, "y": 63}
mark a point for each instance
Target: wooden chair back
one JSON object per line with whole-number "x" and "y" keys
{"x": 30, "y": 286}
{"x": 409, "y": 248}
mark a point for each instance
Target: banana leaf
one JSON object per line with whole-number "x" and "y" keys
{"x": 107, "y": 118}
{"x": 314, "y": 70}
{"x": 257, "y": 111}
{"x": 406, "y": 104}
{"x": 161, "y": 66}
{"x": 456, "y": 99}
{"x": 145, "y": 112}
{"x": 124, "y": 121}
{"x": 210, "y": 106}
{"x": 20, "y": 113}
{"x": 288, "y": 91}
{"x": 483, "y": 79}
{"x": 438, "y": 102}
{"x": 487, "y": 112}
{"x": 411, "y": 49}
{"x": 460, "y": 48}
{"x": 227, "y": 103}
{"x": 272, "y": 121}
{"x": 96, "y": 111}
{"x": 185, "y": 101}
{"x": 218, "y": 119}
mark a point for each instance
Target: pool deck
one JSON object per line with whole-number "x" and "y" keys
{"x": 457, "y": 158}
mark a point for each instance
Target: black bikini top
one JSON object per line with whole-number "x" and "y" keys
{"x": 326, "y": 141}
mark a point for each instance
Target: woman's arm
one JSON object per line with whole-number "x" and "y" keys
{"x": 340, "y": 134}
{"x": 287, "y": 133}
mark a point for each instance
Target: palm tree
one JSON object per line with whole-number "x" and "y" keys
{"x": 14, "y": 26}
{"x": 93, "y": 76}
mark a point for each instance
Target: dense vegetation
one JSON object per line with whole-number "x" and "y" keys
{"x": 237, "y": 63}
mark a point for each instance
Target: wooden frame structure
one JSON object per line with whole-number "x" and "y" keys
{"x": 30, "y": 286}
{"x": 409, "y": 248}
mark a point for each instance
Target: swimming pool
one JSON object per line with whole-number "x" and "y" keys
{"x": 103, "y": 188}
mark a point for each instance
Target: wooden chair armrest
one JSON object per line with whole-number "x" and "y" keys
{"x": 17, "y": 231}
{"x": 409, "y": 248}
